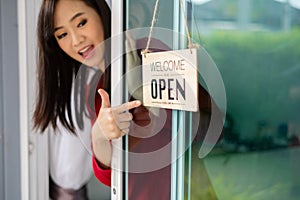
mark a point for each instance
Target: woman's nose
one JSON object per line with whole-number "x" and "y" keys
{"x": 77, "y": 39}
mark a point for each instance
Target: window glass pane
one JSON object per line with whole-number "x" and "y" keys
{"x": 168, "y": 173}
{"x": 255, "y": 45}
{"x": 149, "y": 147}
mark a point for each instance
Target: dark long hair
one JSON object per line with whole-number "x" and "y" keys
{"x": 56, "y": 71}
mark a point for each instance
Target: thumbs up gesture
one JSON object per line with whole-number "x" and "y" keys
{"x": 114, "y": 122}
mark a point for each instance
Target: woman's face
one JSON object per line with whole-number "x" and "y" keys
{"x": 78, "y": 30}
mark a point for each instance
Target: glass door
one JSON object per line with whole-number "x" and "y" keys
{"x": 150, "y": 165}
{"x": 159, "y": 150}
{"x": 148, "y": 168}
{"x": 243, "y": 144}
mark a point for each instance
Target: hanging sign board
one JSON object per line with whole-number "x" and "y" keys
{"x": 170, "y": 80}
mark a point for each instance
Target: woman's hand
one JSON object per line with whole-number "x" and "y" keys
{"x": 114, "y": 122}
{"x": 111, "y": 123}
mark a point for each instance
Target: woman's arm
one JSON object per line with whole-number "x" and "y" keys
{"x": 111, "y": 123}
{"x": 101, "y": 147}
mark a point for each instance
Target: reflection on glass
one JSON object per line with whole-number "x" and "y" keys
{"x": 164, "y": 182}
{"x": 255, "y": 45}
{"x": 149, "y": 155}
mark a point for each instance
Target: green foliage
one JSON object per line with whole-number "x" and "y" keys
{"x": 278, "y": 49}
{"x": 258, "y": 70}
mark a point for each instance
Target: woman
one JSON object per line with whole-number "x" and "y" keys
{"x": 68, "y": 34}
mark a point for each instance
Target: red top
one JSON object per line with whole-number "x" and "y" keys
{"x": 103, "y": 175}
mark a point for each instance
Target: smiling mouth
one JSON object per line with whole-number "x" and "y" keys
{"x": 87, "y": 52}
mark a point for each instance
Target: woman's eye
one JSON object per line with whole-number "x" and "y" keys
{"x": 61, "y": 36}
{"x": 82, "y": 23}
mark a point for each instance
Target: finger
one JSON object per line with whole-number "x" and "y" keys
{"x": 104, "y": 98}
{"x": 128, "y": 106}
{"x": 124, "y": 125}
{"x": 124, "y": 117}
{"x": 125, "y": 131}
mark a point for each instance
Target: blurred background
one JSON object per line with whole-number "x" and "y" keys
{"x": 255, "y": 45}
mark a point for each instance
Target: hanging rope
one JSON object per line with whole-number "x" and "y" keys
{"x": 144, "y": 52}
{"x": 190, "y": 44}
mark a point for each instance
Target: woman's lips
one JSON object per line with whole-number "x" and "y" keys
{"x": 87, "y": 52}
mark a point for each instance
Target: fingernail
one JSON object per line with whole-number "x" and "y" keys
{"x": 138, "y": 102}
{"x": 98, "y": 91}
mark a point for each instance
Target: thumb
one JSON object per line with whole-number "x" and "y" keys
{"x": 105, "y": 98}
